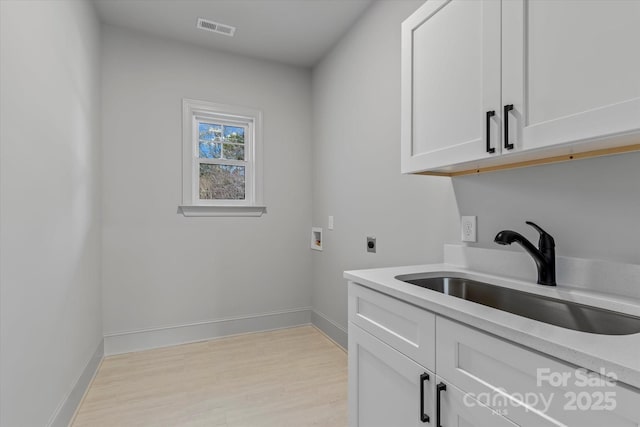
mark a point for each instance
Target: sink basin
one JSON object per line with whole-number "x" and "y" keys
{"x": 554, "y": 311}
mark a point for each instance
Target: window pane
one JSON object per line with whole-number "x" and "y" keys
{"x": 210, "y": 150}
{"x": 208, "y": 136}
{"x": 211, "y": 136}
{"x": 210, "y": 131}
{"x": 234, "y": 151}
{"x": 234, "y": 134}
{"x": 221, "y": 182}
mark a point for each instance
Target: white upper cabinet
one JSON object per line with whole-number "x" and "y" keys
{"x": 489, "y": 82}
{"x": 571, "y": 69}
{"x": 450, "y": 80}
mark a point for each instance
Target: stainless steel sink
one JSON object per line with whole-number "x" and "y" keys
{"x": 544, "y": 309}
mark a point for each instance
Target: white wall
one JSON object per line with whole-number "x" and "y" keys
{"x": 591, "y": 207}
{"x": 161, "y": 269}
{"x": 50, "y": 202}
{"x": 356, "y": 165}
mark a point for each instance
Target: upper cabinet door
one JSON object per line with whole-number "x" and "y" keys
{"x": 450, "y": 81}
{"x": 571, "y": 69}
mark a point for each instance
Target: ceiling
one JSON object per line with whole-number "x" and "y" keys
{"x": 295, "y": 32}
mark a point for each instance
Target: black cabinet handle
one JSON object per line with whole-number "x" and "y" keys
{"x": 439, "y": 388}
{"x": 489, "y": 115}
{"x": 505, "y": 117}
{"x": 423, "y": 417}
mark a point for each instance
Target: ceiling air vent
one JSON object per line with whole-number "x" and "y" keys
{"x": 216, "y": 27}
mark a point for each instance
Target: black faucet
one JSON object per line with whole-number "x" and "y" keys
{"x": 544, "y": 255}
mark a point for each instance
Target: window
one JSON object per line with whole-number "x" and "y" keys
{"x": 221, "y": 160}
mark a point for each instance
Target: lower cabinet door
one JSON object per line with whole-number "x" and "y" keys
{"x": 458, "y": 409}
{"x": 386, "y": 388}
{"x": 530, "y": 388}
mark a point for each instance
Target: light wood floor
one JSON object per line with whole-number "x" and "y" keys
{"x": 291, "y": 377}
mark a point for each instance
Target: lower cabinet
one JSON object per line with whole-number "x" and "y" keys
{"x": 386, "y": 388}
{"x": 482, "y": 380}
{"x": 530, "y": 388}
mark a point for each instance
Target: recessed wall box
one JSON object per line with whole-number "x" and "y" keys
{"x": 316, "y": 238}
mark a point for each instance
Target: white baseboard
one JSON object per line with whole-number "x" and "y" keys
{"x": 65, "y": 412}
{"x": 331, "y": 329}
{"x": 126, "y": 342}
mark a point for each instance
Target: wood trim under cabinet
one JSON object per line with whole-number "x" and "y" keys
{"x": 543, "y": 161}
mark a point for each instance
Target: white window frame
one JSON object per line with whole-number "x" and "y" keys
{"x": 195, "y": 112}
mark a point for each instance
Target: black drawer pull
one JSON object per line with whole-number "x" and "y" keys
{"x": 439, "y": 388}
{"x": 423, "y": 417}
{"x": 505, "y": 117}
{"x": 489, "y": 115}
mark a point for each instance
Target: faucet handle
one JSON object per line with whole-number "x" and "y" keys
{"x": 546, "y": 240}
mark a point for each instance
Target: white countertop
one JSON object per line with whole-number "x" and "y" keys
{"x": 615, "y": 354}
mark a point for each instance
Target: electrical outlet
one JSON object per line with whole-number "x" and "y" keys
{"x": 371, "y": 244}
{"x": 469, "y": 231}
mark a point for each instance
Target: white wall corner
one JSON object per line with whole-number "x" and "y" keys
{"x": 66, "y": 411}
{"x": 332, "y": 330}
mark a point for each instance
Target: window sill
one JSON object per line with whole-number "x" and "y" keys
{"x": 201, "y": 210}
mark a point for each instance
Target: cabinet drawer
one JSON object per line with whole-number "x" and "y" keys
{"x": 403, "y": 326}
{"x": 527, "y": 387}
